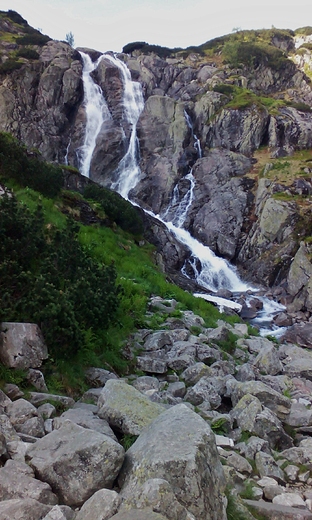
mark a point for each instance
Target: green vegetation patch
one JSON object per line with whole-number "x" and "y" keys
{"x": 10, "y": 65}
{"x": 242, "y": 98}
{"x": 116, "y": 208}
{"x": 46, "y": 277}
{"x": 35, "y": 38}
{"x": 304, "y": 31}
{"x": 15, "y": 163}
{"x": 146, "y": 48}
{"x": 29, "y": 54}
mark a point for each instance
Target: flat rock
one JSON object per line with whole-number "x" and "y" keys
{"x": 101, "y": 506}
{"x": 278, "y": 512}
{"x": 86, "y": 419}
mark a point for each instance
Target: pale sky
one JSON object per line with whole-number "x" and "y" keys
{"x": 110, "y": 24}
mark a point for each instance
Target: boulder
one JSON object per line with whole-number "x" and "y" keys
{"x": 86, "y": 419}
{"x": 268, "y": 361}
{"x": 25, "y": 418}
{"x": 76, "y": 462}
{"x": 178, "y": 446}
{"x": 23, "y": 509}
{"x": 22, "y": 345}
{"x": 268, "y": 397}
{"x": 157, "y": 494}
{"x": 138, "y": 514}
{"x": 278, "y": 512}
{"x": 17, "y": 480}
{"x": 101, "y": 506}
{"x": 267, "y": 467}
{"x": 125, "y": 408}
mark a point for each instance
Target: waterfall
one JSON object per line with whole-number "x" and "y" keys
{"x": 210, "y": 271}
{"x": 96, "y": 112}
{"x": 179, "y": 206}
{"x": 128, "y": 171}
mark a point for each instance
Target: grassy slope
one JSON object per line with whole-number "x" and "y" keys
{"x": 138, "y": 276}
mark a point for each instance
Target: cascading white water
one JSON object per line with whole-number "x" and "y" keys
{"x": 178, "y": 207}
{"x": 128, "y": 171}
{"x": 197, "y": 144}
{"x": 210, "y": 271}
{"x": 96, "y": 111}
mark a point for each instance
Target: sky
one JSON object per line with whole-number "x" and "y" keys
{"x": 110, "y": 24}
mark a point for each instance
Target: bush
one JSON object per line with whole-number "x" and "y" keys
{"x": 146, "y": 48}
{"x": 35, "y": 38}
{"x": 15, "y": 17}
{"x": 9, "y": 66}
{"x": 47, "y": 277}
{"x": 252, "y": 54}
{"x": 28, "y": 171}
{"x": 130, "y": 47}
{"x": 224, "y": 89}
{"x": 304, "y": 31}
{"x": 29, "y": 54}
{"x": 116, "y": 208}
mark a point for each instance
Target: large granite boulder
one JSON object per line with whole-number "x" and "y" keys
{"x": 178, "y": 446}
{"x": 76, "y": 462}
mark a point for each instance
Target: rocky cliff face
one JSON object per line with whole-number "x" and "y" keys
{"x": 209, "y": 110}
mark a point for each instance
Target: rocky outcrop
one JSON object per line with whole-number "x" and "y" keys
{"x": 238, "y": 130}
{"x": 220, "y": 200}
{"x": 269, "y": 246}
{"x": 38, "y": 102}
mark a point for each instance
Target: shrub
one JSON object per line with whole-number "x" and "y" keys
{"x": 146, "y": 48}
{"x": 28, "y": 171}
{"x": 10, "y": 65}
{"x": 35, "y": 38}
{"x": 130, "y": 47}
{"x": 224, "y": 89}
{"x": 116, "y": 208}
{"x": 15, "y": 17}
{"x": 47, "y": 277}
{"x": 252, "y": 54}
{"x": 29, "y": 54}
{"x": 305, "y": 31}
